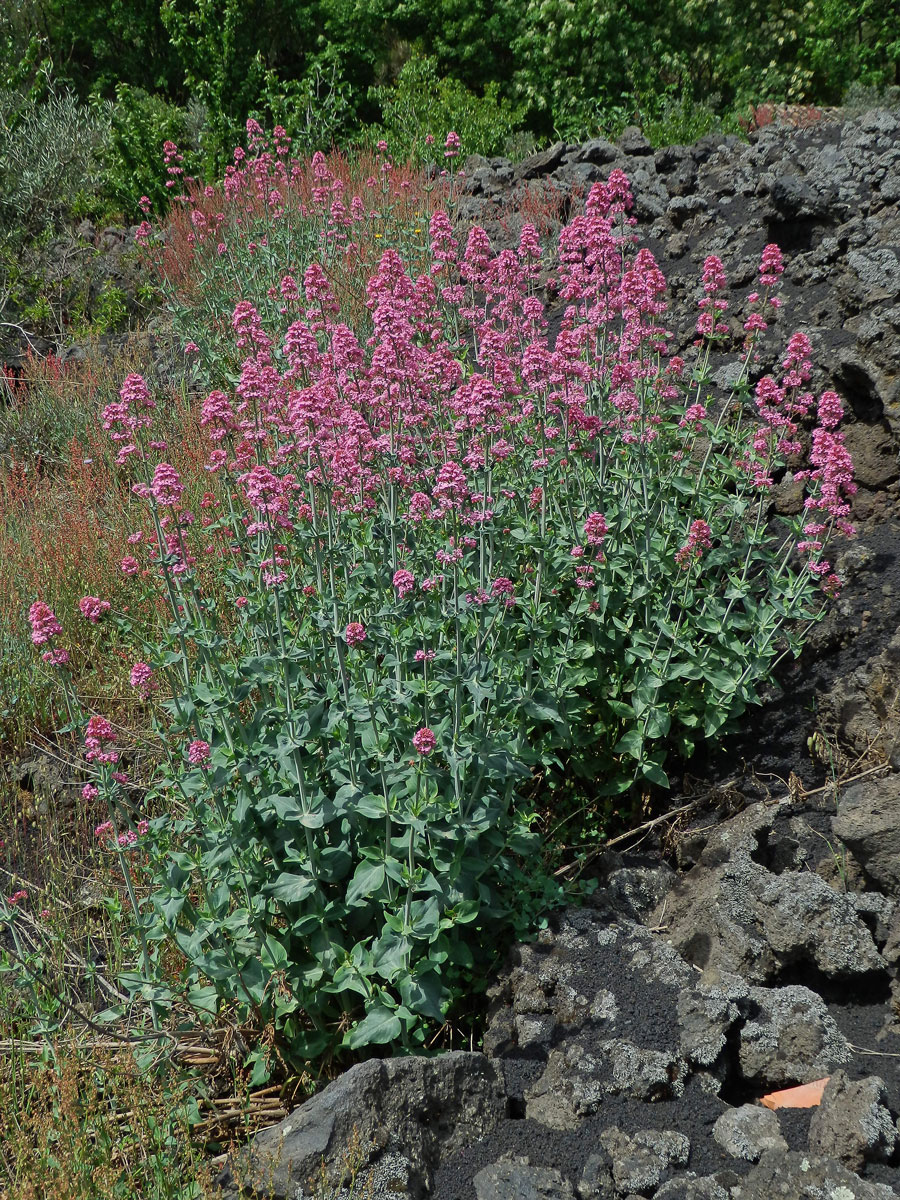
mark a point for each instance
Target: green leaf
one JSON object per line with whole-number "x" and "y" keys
{"x": 273, "y": 953}
{"x": 423, "y": 995}
{"x": 654, "y": 772}
{"x": 334, "y": 863}
{"x": 542, "y": 709}
{"x": 379, "y": 1026}
{"x": 367, "y": 879}
{"x": 424, "y": 916}
{"x": 313, "y": 820}
{"x": 657, "y": 723}
{"x": 290, "y": 888}
{"x": 721, "y": 680}
{"x": 286, "y": 808}
{"x": 205, "y": 998}
{"x": 390, "y": 953}
{"x": 373, "y": 805}
{"x": 631, "y": 742}
{"x": 713, "y": 720}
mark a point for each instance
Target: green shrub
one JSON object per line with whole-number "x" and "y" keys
{"x": 316, "y": 112}
{"x": 677, "y": 119}
{"x": 140, "y": 124}
{"x": 436, "y": 557}
{"x": 422, "y": 103}
{"x": 24, "y": 66}
{"x": 49, "y": 155}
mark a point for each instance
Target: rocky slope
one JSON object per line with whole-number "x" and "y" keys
{"x": 629, "y": 1046}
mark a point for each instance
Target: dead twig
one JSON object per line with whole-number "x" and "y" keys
{"x": 624, "y": 837}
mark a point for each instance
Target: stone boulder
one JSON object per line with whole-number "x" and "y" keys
{"x": 729, "y": 913}
{"x": 519, "y": 1180}
{"x": 853, "y": 1122}
{"x": 868, "y": 823}
{"x": 796, "y": 1176}
{"x": 415, "y": 1110}
{"x": 642, "y": 1160}
{"x": 788, "y": 1037}
{"x": 749, "y": 1132}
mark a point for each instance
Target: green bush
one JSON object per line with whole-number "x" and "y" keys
{"x": 422, "y": 103}
{"x": 140, "y": 124}
{"x": 677, "y": 119}
{"x": 316, "y": 112}
{"x": 50, "y": 154}
{"x": 435, "y": 559}
{"x": 24, "y": 67}
{"x": 267, "y": 59}
{"x": 95, "y": 46}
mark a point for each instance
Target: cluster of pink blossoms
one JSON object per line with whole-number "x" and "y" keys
{"x": 99, "y": 732}
{"x": 142, "y": 679}
{"x": 355, "y": 633}
{"x": 404, "y": 582}
{"x": 713, "y": 306}
{"x": 44, "y": 625}
{"x": 699, "y": 539}
{"x": 199, "y": 753}
{"x": 424, "y": 741}
{"x": 124, "y": 840}
{"x": 167, "y": 487}
{"x": 93, "y": 608}
{"x": 126, "y": 418}
{"x": 595, "y": 529}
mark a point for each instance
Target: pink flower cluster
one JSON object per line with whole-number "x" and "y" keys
{"x": 126, "y": 418}
{"x": 99, "y": 732}
{"x": 355, "y": 633}
{"x": 199, "y": 753}
{"x": 167, "y": 487}
{"x": 93, "y": 608}
{"x": 58, "y": 656}
{"x": 709, "y": 323}
{"x": 404, "y": 582}
{"x": 699, "y": 539}
{"x": 142, "y": 679}
{"x": 424, "y": 741}
{"x": 595, "y": 529}
{"x": 44, "y": 624}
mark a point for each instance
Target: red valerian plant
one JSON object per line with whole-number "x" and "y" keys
{"x": 457, "y": 551}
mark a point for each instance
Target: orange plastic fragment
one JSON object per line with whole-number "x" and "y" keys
{"x": 807, "y": 1095}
